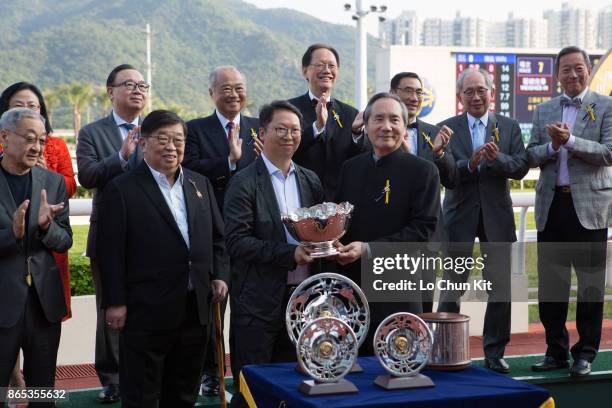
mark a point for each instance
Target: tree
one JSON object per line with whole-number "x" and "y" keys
{"x": 79, "y": 96}
{"x": 52, "y": 99}
{"x": 102, "y": 100}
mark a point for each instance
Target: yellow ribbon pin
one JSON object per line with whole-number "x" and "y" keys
{"x": 427, "y": 138}
{"x": 387, "y": 191}
{"x": 590, "y": 111}
{"x": 253, "y": 134}
{"x": 337, "y": 117}
{"x": 496, "y": 133}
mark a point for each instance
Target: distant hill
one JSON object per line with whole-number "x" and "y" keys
{"x": 51, "y": 42}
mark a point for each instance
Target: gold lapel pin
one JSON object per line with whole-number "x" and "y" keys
{"x": 195, "y": 187}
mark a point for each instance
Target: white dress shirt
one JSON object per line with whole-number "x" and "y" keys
{"x": 569, "y": 117}
{"x": 174, "y": 197}
{"x": 288, "y": 198}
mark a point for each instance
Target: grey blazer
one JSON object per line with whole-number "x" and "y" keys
{"x": 98, "y": 162}
{"x": 588, "y": 162}
{"x": 13, "y": 254}
{"x": 486, "y": 190}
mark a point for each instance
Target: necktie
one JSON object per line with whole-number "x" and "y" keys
{"x": 230, "y": 128}
{"x": 477, "y": 134}
{"x": 576, "y": 102}
{"x": 127, "y": 126}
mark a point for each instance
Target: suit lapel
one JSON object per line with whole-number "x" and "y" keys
{"x": 6, "y": 197}
{"x": 306, "y": 198}
{"x": 218, "y": 138}
{"x": 116, "y": 139}
{"x": 580, "y": 122}
{"x": 37, "y": 185}
{"x": 265, "y": 185}
{"x": 465, "y": 136}
{"x": 423, "y": 148}
{"x": 190, "y": 191}
{"x": 151, "y": 189}
{"x": 491, "y": 120}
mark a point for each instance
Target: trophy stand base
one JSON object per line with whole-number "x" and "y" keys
{"x": 356, "y": 368}
{"x": 322, "y": 249}
{"x": 389, "y": 382}
{"x": 311, "y": 387}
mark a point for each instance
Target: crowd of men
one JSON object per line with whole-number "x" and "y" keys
{"x": 185, "y": 213}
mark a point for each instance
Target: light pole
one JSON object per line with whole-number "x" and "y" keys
{"x": 361, "y": 50}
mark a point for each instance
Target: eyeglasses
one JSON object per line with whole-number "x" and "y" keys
{"x": 227, "y": 90}
{"x": 32, "y": 140}
{"x": 163, "y": 139}
{"x": 481, "y": 92}
{"x": 411, "y": 91}
{"x": 30, "y": 105}
{"x": 323, "y": 66}
{"x": 282, "y": 132}
{"x": 131, "y": 86}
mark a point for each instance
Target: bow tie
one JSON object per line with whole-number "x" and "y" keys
{"x": 314, "y": 103}
{"x": 413, "y": 125}
{"x": 576, "y": 102}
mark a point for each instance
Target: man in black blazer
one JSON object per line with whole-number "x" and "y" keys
{"x": 328, "y": 139}
{"x": 162, "y": 258}
{"x": 31, "y": 227}
{"x": 225, "y": 142}
{"x": 106, "y": 149}
{"x": 218, "y": 146}
{"x": 488, "y": 150}
{"x": 431, "y": 143}
{"x": 406, "y": 212}
{"x": 266, "y": 262}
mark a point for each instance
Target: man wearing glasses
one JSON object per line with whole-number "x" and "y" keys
{"x": 429, "y": 142}
{"x": 33, "y": 223}
{"x": 162, "y": 262}
{"x": 266, "y": 262}
{"x": 328, "y": 138}
{"x": 106, "y": 149}
{"x": 488, "y": 150}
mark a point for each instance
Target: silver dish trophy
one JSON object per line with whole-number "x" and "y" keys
{"x": 326, "y": 351}
{"x": 319, "y": 226}
{"x": 328, "y": 295}
{"x": 403, "y": 343}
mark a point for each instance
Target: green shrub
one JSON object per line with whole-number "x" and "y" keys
{"x": 81, "y": 282}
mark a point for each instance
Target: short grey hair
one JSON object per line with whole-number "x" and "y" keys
{"x": 385, "y": 95}
{"x": 212, "y": 78}
{"x": 11, "y": 118}
{"x": 468, "y": 71}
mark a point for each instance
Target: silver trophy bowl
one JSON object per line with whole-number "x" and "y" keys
{"x": 327, "y": 295}
{"x": 319, "y": 226}
{"x": 403, "y": 344}
{"x": 326, "y": 351}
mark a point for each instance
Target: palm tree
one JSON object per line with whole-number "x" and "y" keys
{"x": 52, "y": 99}
{"x": 79, "y": 96}
{"x": 102, "y": 100}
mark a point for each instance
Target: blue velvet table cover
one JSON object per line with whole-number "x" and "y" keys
{"x": 474, "y": 387}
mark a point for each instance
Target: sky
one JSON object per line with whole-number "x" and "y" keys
{"x": 333, "y": 10}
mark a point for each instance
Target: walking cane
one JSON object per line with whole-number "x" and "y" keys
{"x": 220, "y": 354}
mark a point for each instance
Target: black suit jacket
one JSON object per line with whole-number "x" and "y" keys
{"x": 207, "y": 150}
{"x": 13, "y": 253}
{"x": 256, "y": 240}
{"x": 325, "y": 154}
{"x": 486, "y": 190}
{"x": 144, "y": 261}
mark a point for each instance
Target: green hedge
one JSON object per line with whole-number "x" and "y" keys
{"x": 80, "y": 276}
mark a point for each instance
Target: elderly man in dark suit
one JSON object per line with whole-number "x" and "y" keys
{"x": 571, "y": 142}
{"x": 431, "y": 143}
{"x": 217, "y": 147}
{"x": 266, "y": 262}
{"x": 31, "y": 227}
{"x": 106, "y": 149}
{"x": 328, "y": 138}
{"x": 162, "y": 258}
{"x": 488, "y": 150}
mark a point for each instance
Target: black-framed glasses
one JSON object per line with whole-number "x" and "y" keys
{"x": 131, "y": 86}
{"x": 282, "y": 132}
{"x": 227, "y": 89}
{"x": 411, "y": 91}
{"x": 31, "y": 139}
{"x": 178, "y": 139}
{"x": 481, "y": 92}
{"x": 322, "y": 66}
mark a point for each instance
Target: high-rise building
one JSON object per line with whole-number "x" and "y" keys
{"x": 525, "y": 33}
{"x": 604, "y": 23}
{"x": 403, "y": 30}
{"x": 572, "y": 25}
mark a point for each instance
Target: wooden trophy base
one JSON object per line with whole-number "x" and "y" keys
{"x": 311, "y": 387}
{"x": 390, "y": 382}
